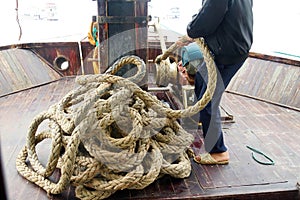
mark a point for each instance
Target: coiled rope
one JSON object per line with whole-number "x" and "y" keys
{"x": 94, "y": 40}
{"x": 108, "y": 135}
{"x": 93, "y": 34}
{"x": 166, "y": 71}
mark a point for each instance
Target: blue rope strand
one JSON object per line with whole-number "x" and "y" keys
{"x": 261, "y": 153}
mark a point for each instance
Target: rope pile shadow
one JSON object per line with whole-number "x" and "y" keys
{"x": 108, "y": 135}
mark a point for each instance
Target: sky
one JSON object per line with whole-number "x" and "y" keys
{"x": 73, "y": 21}
{"x": 276, "y": 22}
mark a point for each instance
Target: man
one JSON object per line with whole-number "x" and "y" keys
{"x": 227, "y": 27}
{"x": 191, "y": 59}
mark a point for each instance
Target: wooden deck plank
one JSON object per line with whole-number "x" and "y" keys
{"x": 269, "y": 128}
{"x": 274, "y": 81}
{"x": 193, "y": 182}
{"x": 21, "y": 69}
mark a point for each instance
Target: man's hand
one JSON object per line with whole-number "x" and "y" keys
{"x": 184, "y": 40}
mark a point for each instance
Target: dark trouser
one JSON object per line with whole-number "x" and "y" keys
{"x": 210, "y": 116}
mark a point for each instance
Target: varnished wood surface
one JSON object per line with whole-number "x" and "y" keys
{"x": 271, "y": 129}
{"x": 268, "y": 80}
{"x": 48, "y": 51}
{"x": 21, "y": 69}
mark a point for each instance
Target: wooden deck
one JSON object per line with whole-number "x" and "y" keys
{"x": 269, "y": 128}
{"x": 21, "y": 69}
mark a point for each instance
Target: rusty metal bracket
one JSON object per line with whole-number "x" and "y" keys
{"x": 122, "y": 19}
{"x": 129, "y": 0}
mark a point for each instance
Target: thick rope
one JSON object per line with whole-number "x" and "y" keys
{"x": 166, "y": 72}
{"x": 108, "y": 135}
{"x": 94, "y": 40}
{"x": 93, "y": 34}
{"x": 96, "y": 65}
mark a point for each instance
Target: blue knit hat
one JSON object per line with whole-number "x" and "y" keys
{"x": 190, "y": 52}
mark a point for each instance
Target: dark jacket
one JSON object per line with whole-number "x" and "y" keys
{"x": 227, "y": 27}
